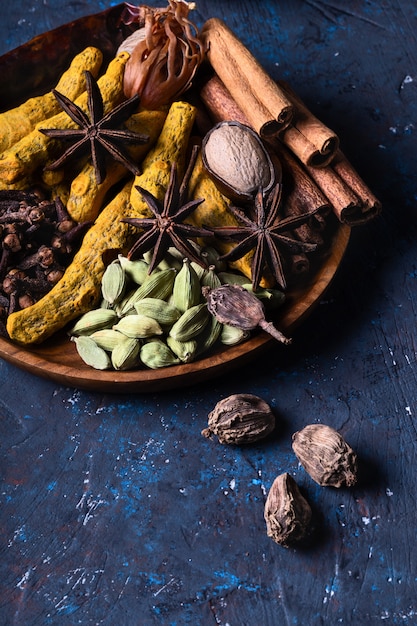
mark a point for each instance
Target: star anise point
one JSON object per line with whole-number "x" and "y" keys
{"x": 96, "y": 132}
{"x": 264, "y": 233}
{"x": 166, "y": 226}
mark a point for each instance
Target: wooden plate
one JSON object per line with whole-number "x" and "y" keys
{"x": 39, "y": 62}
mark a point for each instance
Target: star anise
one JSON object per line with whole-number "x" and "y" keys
{"x": 166, "y": 228}
{"x": 267, "y": 234}
{"x": 99, "y": 134}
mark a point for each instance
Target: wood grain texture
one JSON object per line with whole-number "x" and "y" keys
{"x": 114, "y": 507}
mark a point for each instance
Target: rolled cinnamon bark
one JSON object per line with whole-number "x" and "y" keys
{"x": 345, "y": 203}
{"x": 264, "y": 104}
{"x": 307, "y": 137}
{"x": 220, "y": 103}
{"x": 370, "y": 205}
{"x": 336, "y": 187}
{"x": 304, "y": 195}
{"x": 352, "y": 201}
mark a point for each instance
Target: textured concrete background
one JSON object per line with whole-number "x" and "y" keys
{"x": 114, "y": 509}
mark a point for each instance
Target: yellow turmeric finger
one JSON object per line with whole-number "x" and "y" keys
{"x": 35, "y": 149}
{"x": 86, "y": 195}
{"x": 24, "y": 183}
{"x": 176, "y": 131}
{"x": 20, "y": 121}
{"x": 79, "y": 290}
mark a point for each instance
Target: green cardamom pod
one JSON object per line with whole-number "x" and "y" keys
{"x": 210, "y": 278}
{"x": 105, "y": 305}
{"x": 191, "y": 323}
{"x": 125, "y": 355}
{"x": 230, "y": 278}
{"x": 138, "y": 326}
{"x": 136, "y": 271}
{"x": 186, "y": 290}
{"x": 184, "y": 350}
{"x": 156, "y": 354}
{"x": 158, "y": 284}
{"x": 199, "y": 269}
{"x": 231, "y": 335}
{"x": 208, "y": 337}
{"x": 162, "y": 311}
{"x": 276, "y": 299}
{"x": 173, "y": 260}
{"x": 113, "y": 282}
{"x": 177, "y": 254}
{"x": 212, "y": 257}
{"x": 107, "y": 338}
{"x": 91, "y": 353}
{"x": 94, "y": 320}
{"x": 271, "y": 298}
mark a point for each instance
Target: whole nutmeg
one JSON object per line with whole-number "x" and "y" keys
{"x": 236, "y": 159}
{"x": 325, "y": 456}
{"x": 240, "y": 418}
{"x": 287, "y": 513}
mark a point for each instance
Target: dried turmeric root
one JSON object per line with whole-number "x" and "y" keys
{"x": 86, "y": 195}
{"x": 20, "y": 121}
{"x": 35, "y": 149}
{"x": 177, "y": 129}
{"x": 79, "y": 290}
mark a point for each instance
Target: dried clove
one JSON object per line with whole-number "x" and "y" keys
{"x": 38, "y": 239}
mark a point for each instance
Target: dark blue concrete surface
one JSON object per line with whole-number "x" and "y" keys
{"x": 114, "y": 509}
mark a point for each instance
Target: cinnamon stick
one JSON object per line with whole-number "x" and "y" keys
{"x": 352, "y": 201}
{"x": 262, "y": 101}
{"x": 304, "y": 195}
{"x": 336, "y": 187}
{"x": 308, "y": 138}
{"x": 220, "y": 103}
{"x": 370, "y": 205}
{"x": 346, "y": 204}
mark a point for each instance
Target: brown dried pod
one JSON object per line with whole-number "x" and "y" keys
{"x": 240, "y": 418}
{"x": 236, "y": 159}
{"x": 236, "y": 306}
{"x": 325, "y": 456}
{"x": 287, "y": 513}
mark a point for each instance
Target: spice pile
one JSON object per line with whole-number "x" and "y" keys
{"x": 38, "y": 241}
{"x": 257, "y": 179}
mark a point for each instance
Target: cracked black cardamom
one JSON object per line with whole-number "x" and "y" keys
{"x": 240, "y": 418}
{"x": 287, "y": 513}
{"x": 325, "y": 456}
